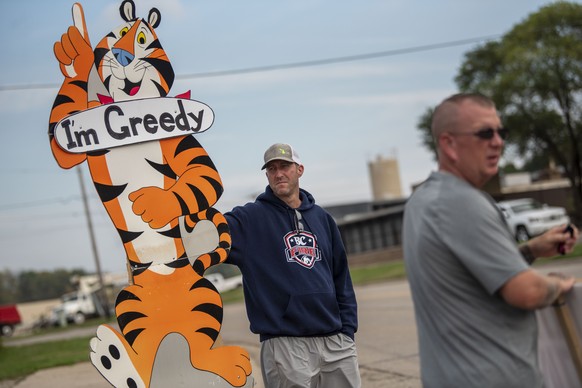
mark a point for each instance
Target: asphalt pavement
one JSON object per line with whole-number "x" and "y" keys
{"x": 386, "y": 340}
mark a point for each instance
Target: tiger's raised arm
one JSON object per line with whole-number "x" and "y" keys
{"x": 76, "y": 59}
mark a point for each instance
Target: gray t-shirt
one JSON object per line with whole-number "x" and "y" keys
{"x": 458, "y": 254}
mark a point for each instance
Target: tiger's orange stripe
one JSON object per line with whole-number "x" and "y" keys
{"x": 100, "y": 174}
{"x": 62, "y": 109}
{"x": 161, "y": 55}
{"x": 191, "y": 175}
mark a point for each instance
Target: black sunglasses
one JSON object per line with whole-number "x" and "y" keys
{"x": 487, "y": 133}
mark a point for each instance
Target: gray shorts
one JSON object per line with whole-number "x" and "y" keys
{"x": 310, "y": 362}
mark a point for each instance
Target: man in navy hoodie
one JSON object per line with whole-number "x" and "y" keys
{"x": 298, "y": 291}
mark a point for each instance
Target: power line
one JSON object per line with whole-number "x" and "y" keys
{"x": 40, "y": 202}
{"x": 7, "y": 88}
{"x": 25, "y": 233}
{"x": 330, "y": 61}
{"x": 294, "y": 65}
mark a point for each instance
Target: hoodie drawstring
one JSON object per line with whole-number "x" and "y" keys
{"x": 298, "y": 222}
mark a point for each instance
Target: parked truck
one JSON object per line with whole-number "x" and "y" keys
{"x": 527, "y": 217}
{"x": 9, "y": 318}
{"x": 75, "y": 307}
{"x": 88, "y": 300}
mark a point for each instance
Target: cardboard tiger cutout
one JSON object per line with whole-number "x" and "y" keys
{"x": 158, "y": 185}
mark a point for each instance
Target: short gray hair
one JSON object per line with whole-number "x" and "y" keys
{"x": 445, "y": 115}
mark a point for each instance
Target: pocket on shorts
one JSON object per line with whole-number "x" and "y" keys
{"x": 347, "y": 338}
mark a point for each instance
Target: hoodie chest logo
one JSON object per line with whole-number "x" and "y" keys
{"x": 302, "y": 249}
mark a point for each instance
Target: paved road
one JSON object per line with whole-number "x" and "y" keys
{"x": 386, "y": 340}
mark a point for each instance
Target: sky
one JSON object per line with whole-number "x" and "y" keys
{"x": 258, "y": 65}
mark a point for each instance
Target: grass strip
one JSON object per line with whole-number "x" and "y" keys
{"x": 19, "y": 361}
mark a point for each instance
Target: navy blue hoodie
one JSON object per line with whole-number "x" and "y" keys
{"x": 296, "y": 283}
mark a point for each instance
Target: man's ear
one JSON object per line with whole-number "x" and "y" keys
{"x": 447, "y": 144}
{"x": 300, "y": 169}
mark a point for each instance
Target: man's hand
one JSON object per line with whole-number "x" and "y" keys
{"x": 548, "y": 243}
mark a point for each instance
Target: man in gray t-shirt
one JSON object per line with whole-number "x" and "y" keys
{"x": 473, "y": 292}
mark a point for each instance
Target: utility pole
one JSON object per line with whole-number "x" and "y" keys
{"x": 102, "y": 295}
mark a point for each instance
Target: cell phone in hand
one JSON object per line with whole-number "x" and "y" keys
{"x": 562, "y": 246}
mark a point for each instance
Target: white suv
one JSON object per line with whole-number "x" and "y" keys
{"x": 527, "y": 217}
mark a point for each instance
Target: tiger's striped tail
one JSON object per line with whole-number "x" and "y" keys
{"x": 219, "y": 255}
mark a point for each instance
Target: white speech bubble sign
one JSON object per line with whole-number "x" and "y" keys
{"x": 129, "y": 122}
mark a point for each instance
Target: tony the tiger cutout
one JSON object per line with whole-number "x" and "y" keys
{"x": 151, "y": 174}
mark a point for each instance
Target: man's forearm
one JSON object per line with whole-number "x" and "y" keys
{"x": 530, "y": 290}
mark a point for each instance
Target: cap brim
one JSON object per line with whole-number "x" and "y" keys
{"x": 277, "y": 158}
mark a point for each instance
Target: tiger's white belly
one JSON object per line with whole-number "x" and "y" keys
{"x": 128, "y": 165}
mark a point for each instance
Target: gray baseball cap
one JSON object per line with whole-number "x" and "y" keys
{"x": 281, "y": 151}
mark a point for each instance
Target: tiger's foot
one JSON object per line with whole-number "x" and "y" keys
{"x": 232, "y": 363}
{"x": 173, "y": 367}
{"x": 109, "y": 356}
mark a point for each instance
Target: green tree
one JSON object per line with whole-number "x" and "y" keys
{"x": 33, "y": 285}
{"x": 7, "y": 287}
{"x": 534, "y": 75}
{"x": 426, "y": 136}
